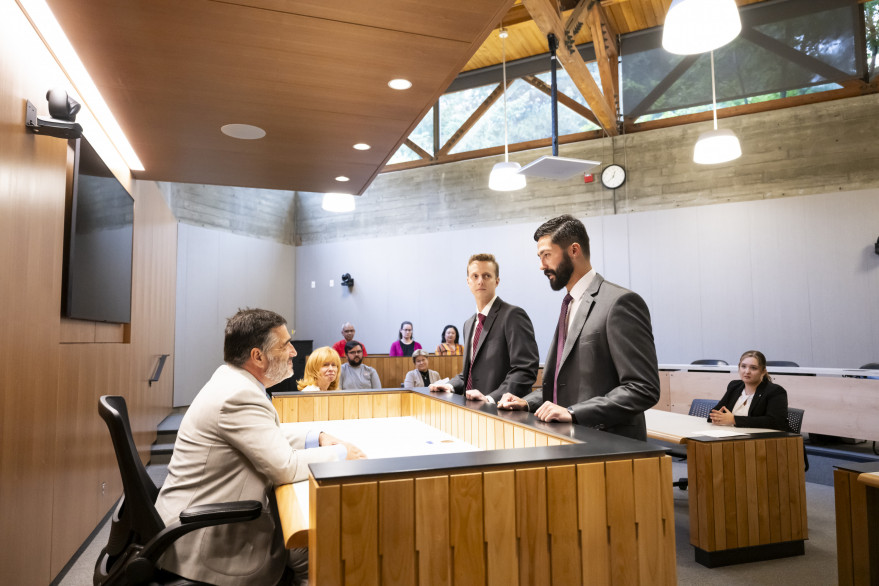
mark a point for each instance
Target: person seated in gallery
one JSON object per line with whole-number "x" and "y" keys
{"x": 405, "y": 346}
{"x": 753, "y": 400}
{"x": 347, "y": 336}
{"x": 321, "y": 371}
{"x": 355, "y": 374}
{"x": 421, "y": 375}
{"x": 449, "y": 345}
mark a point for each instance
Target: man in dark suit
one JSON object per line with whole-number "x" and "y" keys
{"x": 601, "y": 370}
{"x": 500, "y": 352}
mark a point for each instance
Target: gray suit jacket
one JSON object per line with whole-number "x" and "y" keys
{"x": 414, "y": 380}
{"x": 609, "y": 373}
{"x": 231, "y": 447}
{"x": 506, "y": 356}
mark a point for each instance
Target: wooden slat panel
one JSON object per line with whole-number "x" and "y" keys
{"x": 395, "y": 405}
{"x": 482, "y": 435}
{"x": 518, "y": 437}
{"x": 397, "y": 532}
{"x": 621, "y": 520}
{"x": 762, "y": 492}
{"x": 784, "y": 494}
{"x": 499, "y": 490}
{"x": 705, "y": 497}
{"x": 509, "y": 441}
{"x": 360, "y": 533}
{"x": 562, "y": 521}
{"x": 336, "y": 408}
{"x": 351, "y": 409}
{"x": 325, "y": 537}
{"x": 406, "y": 405}
{"x": 531, "y": 526}
{"x": 772, "y": 490}
{"x": 540, "y": 440}
{"x": 741, "y": 475}
{"x": 694, "y": 466}
{"x": 432, "y": 530}
{"x": 860, "y": 532}
{"x": 321, "y": 408}
{"x": 751, "y": 493}
{"x": 796, "y": 503}
{"x": 651, "y": 561}
{"x": 668, "y": 521}
{"x": 801, "y": 481}
{"x": 593, "y": 525}
{"x": 719, "y": 495}
{"x": 380, "y": 405}
{"x": 364, "y": 406}
{"x": 466, "y": 535}
{"x": 730, "y": 485}
{"x": 842, "y": 493}
{"x": 490, "y": 434}
{"x": 306, "y": 409}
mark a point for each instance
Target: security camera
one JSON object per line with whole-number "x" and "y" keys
{"x": 62, "y": 120}
{"x": 877, "y": 246}
{"x": 347, "y": 280}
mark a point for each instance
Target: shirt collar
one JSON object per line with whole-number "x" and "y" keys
{"x": 579, "y": 289}
{"x": 487, "y": 307}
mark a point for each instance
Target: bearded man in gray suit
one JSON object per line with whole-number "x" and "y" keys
{"x": 601, "y": 370}
{"x": 231, "y": 447}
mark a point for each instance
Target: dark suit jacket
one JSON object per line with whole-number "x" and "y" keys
{"x": 609, "y": 373}
{"x": 768, "y": 409}
{"x": 506, "y": 356}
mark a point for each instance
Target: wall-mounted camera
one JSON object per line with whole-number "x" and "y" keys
{"x": 61, "y": 122}
{"x": 877, "y": 246}
{"x": 347, "y": 281}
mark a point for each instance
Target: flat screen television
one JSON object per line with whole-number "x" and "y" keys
{"x": 99, "y": 230}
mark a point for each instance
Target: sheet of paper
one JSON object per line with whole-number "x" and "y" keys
{"x": 715, "y": 433}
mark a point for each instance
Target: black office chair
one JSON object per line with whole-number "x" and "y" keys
{"x": 698, "y": 408}
{"x": 795, "y": 423}
{"x": 138, "y": 537}
{"x": 710, "y": 362}
{"x": 785, "y": 363}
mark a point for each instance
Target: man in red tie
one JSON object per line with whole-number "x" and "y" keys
{"x": 500, "y": 352}
{"x": 601, "y": 370}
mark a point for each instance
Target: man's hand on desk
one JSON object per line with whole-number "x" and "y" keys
{"x": 549, "y": 411}
{"x": 354, "y": 452}
{"x": 475, "y": 395}
{"x": 441, "y": 387}
{"x": 512, "y": 402}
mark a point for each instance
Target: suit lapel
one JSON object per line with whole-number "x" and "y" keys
{"x": 486, "y": 326}
{"x": 580, "y": 317}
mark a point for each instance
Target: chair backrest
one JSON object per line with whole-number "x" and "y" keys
{"x": 711, "y": 362}
{"x": 136, "y": 520}
{"x": 795, "y": 419}
{"x": 701, "y": 407}
{"x": 871, "y": 366}
{"x": 782, "y": 363}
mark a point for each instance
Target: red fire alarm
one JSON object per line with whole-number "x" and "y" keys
{"x": 588, "y": 178}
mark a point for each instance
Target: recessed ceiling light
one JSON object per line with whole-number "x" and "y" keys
{"x": 243, "y": 131}
{"x": 342, "y": 178}
{"x": 362, "y": 146}
{"x": 400, "y": 84}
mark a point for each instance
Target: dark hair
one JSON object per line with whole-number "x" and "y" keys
{"x": 565, "y": 230}
{"x": 249, "y": 329}
{"x": 399, "y": 332}
{"x": 443, "y": 335}
{"x": 761, "y": 361}
{"x": 352, "y": 344}
{"x": 484, "y": 257}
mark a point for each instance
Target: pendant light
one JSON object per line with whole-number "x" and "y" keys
{"x": 505, "y": 176}
{"x": 716, "y": 146}
{"x": 338, "y": 202}
{"x": 699, "y": 26}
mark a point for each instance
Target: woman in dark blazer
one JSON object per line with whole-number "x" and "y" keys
{"x": 753, "y": 400}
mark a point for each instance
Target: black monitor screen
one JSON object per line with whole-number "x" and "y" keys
{"x": 100, "y": 228}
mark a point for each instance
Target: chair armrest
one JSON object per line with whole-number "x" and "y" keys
{"x": 199, "y": 517}
{"x": 226, "y": 512}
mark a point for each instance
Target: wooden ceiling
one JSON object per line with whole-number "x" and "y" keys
{"x": 312, "y": 73}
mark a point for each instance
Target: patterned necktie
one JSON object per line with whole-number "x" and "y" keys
{"x": 473, "y": 350}
{"x": 560, "y": 345}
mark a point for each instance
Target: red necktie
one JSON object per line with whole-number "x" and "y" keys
{"x": 560, "y": 345}
{"x": 473, "y": 350}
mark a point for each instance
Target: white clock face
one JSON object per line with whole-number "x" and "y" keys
{"x": 613, "y": 176}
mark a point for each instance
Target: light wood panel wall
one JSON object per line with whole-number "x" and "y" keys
{"x": 833, "y": 405}
{"x": 58, "y": 474}
{"x": 852, "y": 542}
{"x": 589, "y": 523}
{"x": 392, "y": 369}
{"x": 748, "y": 493}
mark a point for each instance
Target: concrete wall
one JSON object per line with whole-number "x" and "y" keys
{"x": 795, "y": 277}
{"x": 818, "y": 148}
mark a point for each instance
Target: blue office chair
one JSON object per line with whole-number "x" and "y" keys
{"x": 784, "y": 363}
{"x": 710, "y": 362}
{"x": 138, "y": 537}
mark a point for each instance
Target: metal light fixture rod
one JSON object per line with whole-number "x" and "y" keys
{"x": 503, "y": 35}
{"x": 554, "y": 97}
{"x": 713, "y": 92}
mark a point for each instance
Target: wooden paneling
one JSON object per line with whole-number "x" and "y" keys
{"x": 58, "y": 474}
{"x": 852, "y": 539}
{"x": 392, "y": 369}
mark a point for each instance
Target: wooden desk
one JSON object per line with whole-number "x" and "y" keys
{"x": 541, "y": 500}
{"x": 851, "y": 485}
{"x": 747, "y": 493}
{"x": 871, "y": 481}
{"x": 840, "y": 402}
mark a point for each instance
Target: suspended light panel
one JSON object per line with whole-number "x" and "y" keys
{"x": 717, "y": 146}
{"x": 699, "y": 26}
{"x": 505, "y": 177}
{"x": 338, "y": 202}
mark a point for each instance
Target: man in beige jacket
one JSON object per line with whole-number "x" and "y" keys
{"x": 231, "y": 447}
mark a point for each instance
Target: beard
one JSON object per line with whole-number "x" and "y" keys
{"x": 562, "y": 273}
{"x": 355, "y": 361}
{"x": 279, "y": 369}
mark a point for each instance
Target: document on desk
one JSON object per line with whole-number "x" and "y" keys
{"x": 715, "y": 433}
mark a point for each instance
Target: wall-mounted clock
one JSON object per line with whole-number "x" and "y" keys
{"x": 613, "y": 176}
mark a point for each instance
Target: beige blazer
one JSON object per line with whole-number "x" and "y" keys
{"x": 231, "y": 447}
{"x": 414, "y": 380}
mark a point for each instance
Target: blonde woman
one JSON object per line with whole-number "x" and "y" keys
{"x": 321, "y": 371}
